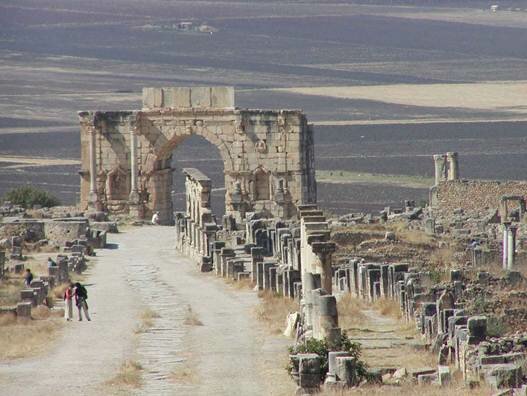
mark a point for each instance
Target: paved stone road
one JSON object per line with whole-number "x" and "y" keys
{"x": 227, "y": 355}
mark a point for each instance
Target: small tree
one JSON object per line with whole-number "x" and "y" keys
{"x": 28, "y": 196}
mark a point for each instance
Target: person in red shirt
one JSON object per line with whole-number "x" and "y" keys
{"x": 68, "y": 302}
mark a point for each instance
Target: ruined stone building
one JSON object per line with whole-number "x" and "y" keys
{"x": 126, "y": 156}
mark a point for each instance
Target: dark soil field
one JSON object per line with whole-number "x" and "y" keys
{"x": 58, "y": 57}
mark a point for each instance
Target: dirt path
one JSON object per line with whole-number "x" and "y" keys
{"x": 228, "y": 353}
{"x": 388, "y": 342}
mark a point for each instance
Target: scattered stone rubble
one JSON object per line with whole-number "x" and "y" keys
{"x": 295, "y": 258}
{"x": 74, "y": 236}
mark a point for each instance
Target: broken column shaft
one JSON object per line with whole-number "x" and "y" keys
{"x": 453, "y": 166}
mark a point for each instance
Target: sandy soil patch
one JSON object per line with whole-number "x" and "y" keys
{"x": 21, "y": 162}
{"x": 495, "y": 96}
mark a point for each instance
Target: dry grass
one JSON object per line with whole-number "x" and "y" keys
{"x": 183, "y": 375}
{"x": 413, "y": 237}
{"x": 147, "y": 320}
{"x": 27, "y": 338}
{"x": 273, "y": 310}
{"x": 388, "y": 307}
{"x": 350, "y": 311}
{"x": 192, "y": 318}
{"x": 443, "y": 258}
{"x": 7, "y": 319}
{"x": 10, "y": 291}
{"x": 129, "y": 375}
{"x": 58, "y": 291}
{"x": 37, "y": 265}
{"x": 244, "y": 284}
{"x": 41, "y": 312}
{"x": 406, "y": 356}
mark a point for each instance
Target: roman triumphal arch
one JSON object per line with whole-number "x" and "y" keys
{"x": 126, "y": 156}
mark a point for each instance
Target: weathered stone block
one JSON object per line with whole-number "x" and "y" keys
{"x": 180, "y": 97}
{"x": 222, "y": 97}
{"x": 23, "y": 309}
{"x": 346, "y": 370}
{"x": 444, "y": 376}
{"x": 309, "y": 370}
{"x": 477, "y": 328}
{"x": 503, "y": 375}
{"x": 200, "y": 97}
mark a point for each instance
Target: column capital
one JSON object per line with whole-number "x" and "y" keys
{"x": 323, "y": 248}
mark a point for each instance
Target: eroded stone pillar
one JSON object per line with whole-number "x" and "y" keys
{"x": 328, "y": 319}
{"x": 511, "y": 247}
{"x": 134, "y": 194}
{"x": 453, "y": 166}
{"x": 505, "y": 247}
{"x": 440, "y": 167}
{"x": 324, "y": 252}
{"x": 93, "y": 199}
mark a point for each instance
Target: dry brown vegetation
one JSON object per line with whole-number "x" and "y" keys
{"x": 129, "y": 375}
{"x": 10, "y": 291}
{"x": 388, "y": 307}
{"x": 273, "y": 310}
{"x": 350, "y": 311}
{"x": 442, "y": 258}
{"x": 147, "y": 320}
{"x": 413, "y": 237}
{"x": 192, "y": 318}
{"x": 242, "y": 284}
{"x": 22, "y": 338}
{"x": 58, "y": 291}
{"x": 183, "y": 375}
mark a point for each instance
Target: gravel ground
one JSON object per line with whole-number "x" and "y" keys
{"x": 229, "y": 353}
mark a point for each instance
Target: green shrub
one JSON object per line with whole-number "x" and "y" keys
{"x": 322, "y": 348}
{"x": 479, "y": 305}
{"x": 436, "y": 275}
{"x": 495, "y": 327}
{"x": 28, "y": 196}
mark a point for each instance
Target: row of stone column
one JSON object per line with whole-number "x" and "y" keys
{"x": 441, "y": 320}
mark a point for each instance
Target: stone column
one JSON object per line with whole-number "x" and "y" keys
{"x": 505, "y": 244}
{"x": 453, "y": 171}
{"x": 93, "y": 199}
{"x": 324, "y": 251}
{"x": 439, "y": 162}
{"x": 511, "y": 247}
{"x": 134, "y": 194}
{"x": 328, "y": 317}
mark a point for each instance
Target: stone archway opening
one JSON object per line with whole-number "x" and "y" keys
{"x": 196, "y": 152}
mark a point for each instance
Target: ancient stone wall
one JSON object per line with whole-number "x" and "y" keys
{"x": 268, "y": 155}
{"x": 473, "y": 196}
{"x": 196, "y": 227}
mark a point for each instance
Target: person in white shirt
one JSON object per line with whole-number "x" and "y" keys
{"x": 155, "y": 218}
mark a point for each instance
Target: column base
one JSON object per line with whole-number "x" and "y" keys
{"x": 93, "y": 201}
{"x": 135, "y": 208}
{"x": 134, "y": 198}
